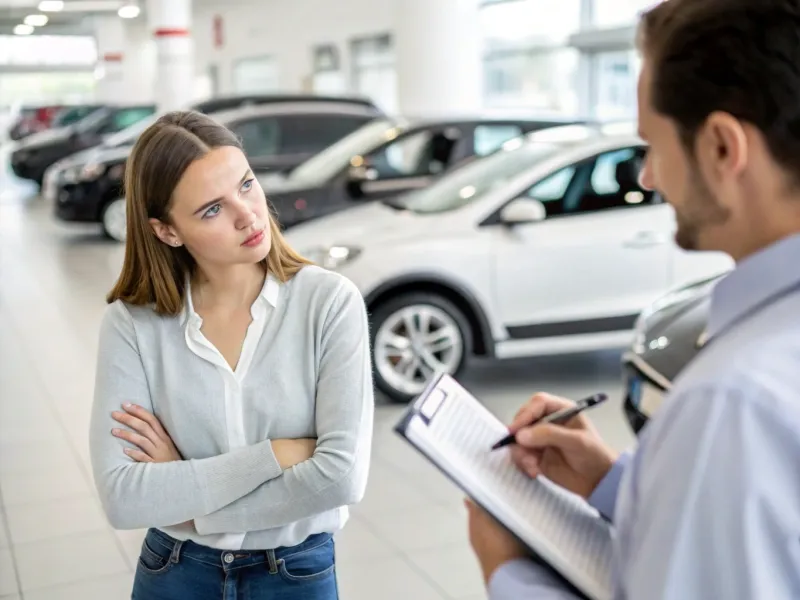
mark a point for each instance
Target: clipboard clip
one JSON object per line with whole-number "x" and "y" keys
{"x": 433, "y": 397}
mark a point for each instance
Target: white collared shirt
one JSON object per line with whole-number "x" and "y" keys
{"x": 232, "y": 379}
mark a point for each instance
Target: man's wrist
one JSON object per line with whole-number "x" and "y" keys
{"x": 604, "y": 496}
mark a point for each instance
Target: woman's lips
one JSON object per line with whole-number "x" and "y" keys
{"x": 254, "y": 240}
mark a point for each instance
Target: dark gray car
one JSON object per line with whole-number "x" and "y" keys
{"x": 668, "y": 336}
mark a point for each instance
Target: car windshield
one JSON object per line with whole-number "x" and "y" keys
{"x": 323, "y": 166}
{"x": 92, "y": 121}
{"x": 129, "y": 135}
{"x": 72, "y": 115}
{"x": 477, "y": 178}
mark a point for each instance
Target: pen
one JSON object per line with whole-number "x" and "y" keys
{"x": 559, "y": 417}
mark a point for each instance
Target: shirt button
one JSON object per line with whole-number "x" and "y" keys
{"x": 228, "y": 558}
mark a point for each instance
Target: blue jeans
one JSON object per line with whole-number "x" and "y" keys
{"x": 169, "y": 569}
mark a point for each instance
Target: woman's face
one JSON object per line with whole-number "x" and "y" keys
{"x": 219, "y": 212}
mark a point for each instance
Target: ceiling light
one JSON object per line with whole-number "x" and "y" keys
{"x": 23, "y": 29}
{"x": 51, "y": 5}
{"x": 129, "y": 11}
{"x": 36, "y": 20}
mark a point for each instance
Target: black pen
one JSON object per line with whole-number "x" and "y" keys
{"x": 559, "y": 417}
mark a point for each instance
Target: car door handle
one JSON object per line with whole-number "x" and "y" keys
{"x": 645, "y": 239}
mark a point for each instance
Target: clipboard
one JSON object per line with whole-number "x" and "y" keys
{"x": 454, "y": 431}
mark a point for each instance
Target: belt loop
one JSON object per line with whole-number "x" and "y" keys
{"x": 176, "y": 552}
{"x": 272, "y": 562}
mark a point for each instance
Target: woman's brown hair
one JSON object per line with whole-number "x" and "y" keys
{"x": 154, "y": 273}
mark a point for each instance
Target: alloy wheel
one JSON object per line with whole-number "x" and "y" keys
{"x": 414, "y": 343}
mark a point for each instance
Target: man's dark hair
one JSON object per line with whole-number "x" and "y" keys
{"x": 737, "y": 56}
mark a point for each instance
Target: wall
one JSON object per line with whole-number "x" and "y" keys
{"x": 287, "y": 30}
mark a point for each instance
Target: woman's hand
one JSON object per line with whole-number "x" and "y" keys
{"x": 148, "y": 435}
{"x": 292, "y": 452}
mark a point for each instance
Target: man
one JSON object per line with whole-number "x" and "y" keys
{"x": 708, "y": 507}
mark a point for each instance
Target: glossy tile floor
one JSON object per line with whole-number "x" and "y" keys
{"x": 406, "y": 540}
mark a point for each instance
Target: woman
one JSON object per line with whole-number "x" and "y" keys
{"x": 233, "y": 401}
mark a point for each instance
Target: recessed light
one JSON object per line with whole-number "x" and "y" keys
{"x": 51, "y": 5}
{"x": 36, "y": 20}
{"x": 23, "y": 29}
{"x": 129, "y": 11}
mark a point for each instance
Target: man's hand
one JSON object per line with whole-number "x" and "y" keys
{"x": 573, "y": 455}
{"x": 493, "y": 544}
{"x": 292, "y": 452}
{"x": 147, "y": 433}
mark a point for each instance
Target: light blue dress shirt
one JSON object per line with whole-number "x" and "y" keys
{"x": 709, "y": 505}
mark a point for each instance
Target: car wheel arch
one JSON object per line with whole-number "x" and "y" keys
{"x": 482, "y": 341}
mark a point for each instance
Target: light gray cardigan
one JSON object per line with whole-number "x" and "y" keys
{"x": 310, "y": 376}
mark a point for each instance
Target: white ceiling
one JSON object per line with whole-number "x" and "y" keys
{"x": 74, "y": 19}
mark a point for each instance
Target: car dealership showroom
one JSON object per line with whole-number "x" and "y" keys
{"x": 454, "y": 222}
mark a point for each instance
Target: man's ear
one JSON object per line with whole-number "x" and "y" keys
{"x": 724, "y": 144}
{"x": 165, "y": 233}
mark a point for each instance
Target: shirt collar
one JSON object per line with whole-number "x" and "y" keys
{"x": 269, "y": 295}
{"x": 755, "y": 280}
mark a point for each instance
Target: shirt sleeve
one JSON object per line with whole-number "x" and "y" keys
{"x": 336, "y": 475}
{"x": 717, "y": 497}
{"x": 604, "y": 497}
{"x": 136, "y": 495}
{"x": 525, "y": 580}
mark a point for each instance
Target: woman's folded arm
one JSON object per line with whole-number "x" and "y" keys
{"x": 336, "y": 475}
{"x": 138, "y": 495}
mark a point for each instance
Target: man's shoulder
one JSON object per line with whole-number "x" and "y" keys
{"x": 761, "y": 378}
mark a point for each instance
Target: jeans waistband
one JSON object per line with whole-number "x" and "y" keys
{"x": 218, "y": 556}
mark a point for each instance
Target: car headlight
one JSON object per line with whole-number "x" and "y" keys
{"x": 71, "y": 175}
{"x": 92, "y": 171}
{"x": 332, "y": 257}
{"x": 663, "y": 303}
{"x": 116, "y": 172}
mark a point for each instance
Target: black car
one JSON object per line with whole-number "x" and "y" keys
{"x": 39, "y": 151}
{"x": 385, "y": 158}
{"x": 668, "y": 335}
{"x": 277, "y": 132}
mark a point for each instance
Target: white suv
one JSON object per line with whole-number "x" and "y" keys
{"x": 548, "y": 246}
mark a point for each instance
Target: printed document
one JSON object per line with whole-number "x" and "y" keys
{"x": 455, "y": 431}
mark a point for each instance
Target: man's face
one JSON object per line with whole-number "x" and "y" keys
{"x": 673, "y": 172}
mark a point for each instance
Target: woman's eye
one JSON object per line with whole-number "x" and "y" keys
{"x": 247, "y": 185}
{"x": 212, "y": 212}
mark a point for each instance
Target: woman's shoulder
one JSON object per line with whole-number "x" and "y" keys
{"x": 312, "y": 278}
{"x": 123, "y": 314}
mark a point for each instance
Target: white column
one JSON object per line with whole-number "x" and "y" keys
{"x": 170, "y": 25}
{"x": 438, "y": 57}
{"x": 111, "y": 41}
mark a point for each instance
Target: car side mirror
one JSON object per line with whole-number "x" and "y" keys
{"x": 357, "y": 176}
{"x": 523, "y": 210}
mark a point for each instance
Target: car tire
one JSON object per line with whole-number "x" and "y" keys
{"x": 113, "y": 219}
{"x": 435, "y": 336}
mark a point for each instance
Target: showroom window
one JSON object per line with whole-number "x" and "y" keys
{"x": 526, "y": 61}
{"x": 618, "y": 13}
{"x": 374, "y": 73}
{"x": 328, "y": 77}
{"x": 255, "y": 75}
{"x": 543, "y": 81}
{"x": 613, "y": 85}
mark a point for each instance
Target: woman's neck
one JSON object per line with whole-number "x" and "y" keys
{"x": 227, "y": 289}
